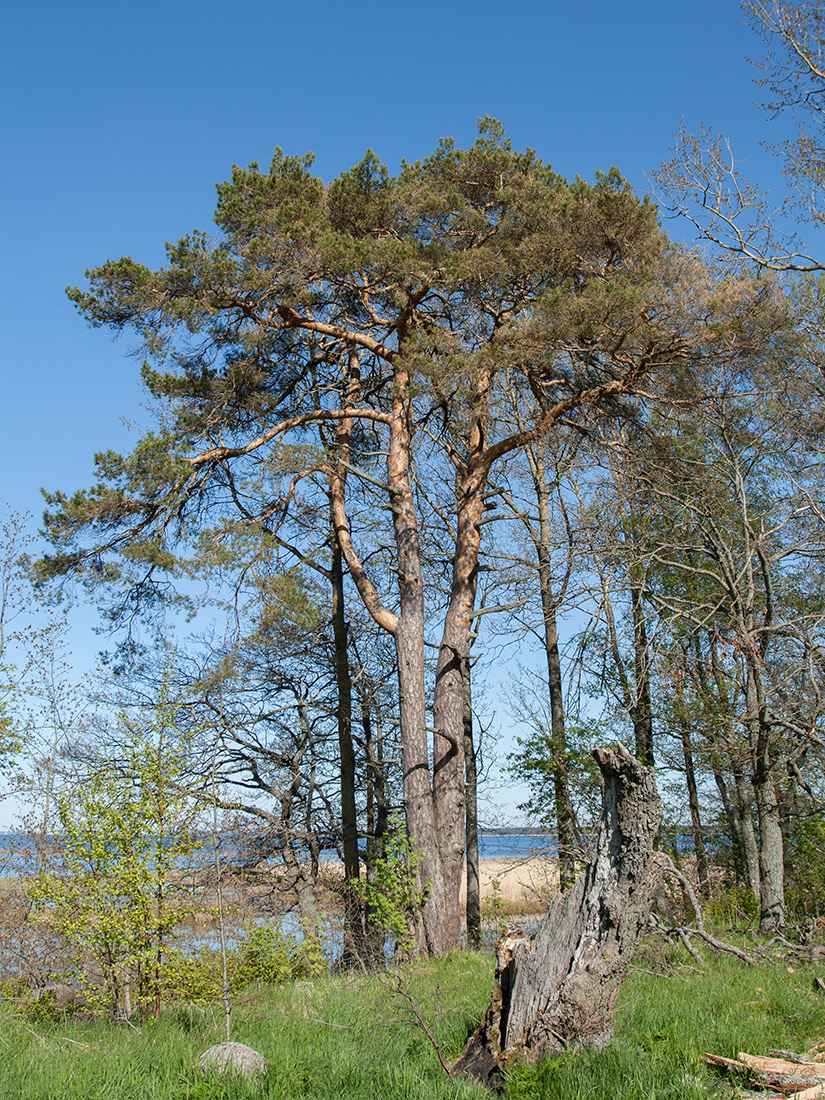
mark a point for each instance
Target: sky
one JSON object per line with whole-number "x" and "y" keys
{"x": 120, "y": 118}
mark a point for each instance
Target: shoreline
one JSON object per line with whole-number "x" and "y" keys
{"x": 508, "y": 884}
{"x": 522, "y": 884}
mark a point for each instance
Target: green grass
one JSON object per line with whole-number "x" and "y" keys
{"x": 664, "y": 1026}
{"x": 352, "y": 1038}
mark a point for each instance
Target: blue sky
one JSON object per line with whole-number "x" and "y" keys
{"x": 120, "y": 118}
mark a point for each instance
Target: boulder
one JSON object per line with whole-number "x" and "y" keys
{"x": 233, "y": 1059}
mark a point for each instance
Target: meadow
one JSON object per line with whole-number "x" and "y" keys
{"x": 356, "y": 1037}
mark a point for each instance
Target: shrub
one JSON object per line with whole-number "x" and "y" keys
{"x": 805, "y": 885}
{"x": 391, "y": 895}
{"x": 266, "y": 956}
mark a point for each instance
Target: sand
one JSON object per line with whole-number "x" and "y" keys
{"x": 524, "y": 883}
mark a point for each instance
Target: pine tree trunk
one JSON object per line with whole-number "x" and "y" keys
{"x": 449, "y": 704}
{"x": 439, "y": 923}
{"x": 557, "y": 991}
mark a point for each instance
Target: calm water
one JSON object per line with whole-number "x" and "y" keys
{"x": 18, "y": 851}
{"x": 502, "y": 845}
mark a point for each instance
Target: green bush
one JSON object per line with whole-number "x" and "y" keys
{"x": 192, "y": 976}
{"x": 732, "y": 908}
{"x": 266, "y": 956}
{"x": 805, "y": 885}
{"x": 391, "y": 894}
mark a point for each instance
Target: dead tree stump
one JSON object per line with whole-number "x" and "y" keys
{"x": 558, "y": 990}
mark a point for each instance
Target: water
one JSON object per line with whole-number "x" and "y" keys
{"x": 516, "y": 843}
{"x": 19, "y": 851}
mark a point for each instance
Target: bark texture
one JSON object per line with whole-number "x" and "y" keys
{"x": 471, "y": 806}
{"x": 558, "y": 990}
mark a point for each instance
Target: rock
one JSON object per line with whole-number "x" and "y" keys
{"x": 234, "y": 1059}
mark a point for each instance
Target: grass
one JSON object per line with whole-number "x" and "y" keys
{"x": 352, "y": 1038}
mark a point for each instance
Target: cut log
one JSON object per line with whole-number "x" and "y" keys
{"x": 777, "y": 1073}
{"x": 557, "y": 991}
{"x": 780, "y": 1067}
{"x": 725, "y": 1063}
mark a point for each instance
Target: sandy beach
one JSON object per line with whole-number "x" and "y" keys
{"x": 524, "y": 883}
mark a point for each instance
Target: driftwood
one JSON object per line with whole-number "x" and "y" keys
{"x": 779, "y": 1074}
{"x": 558, "y": 990}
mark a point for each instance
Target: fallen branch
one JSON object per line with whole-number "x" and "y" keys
{"x": 684, "y": 933}
{"x": 671, "y": 868}
{"x": 777, "y": 1073}
{"x": 720, "y": 945}
{"x": 796, "y": 948}
{"x": 688, "y": 946}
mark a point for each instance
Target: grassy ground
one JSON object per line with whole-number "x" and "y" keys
{"x": 354, "y": 1039}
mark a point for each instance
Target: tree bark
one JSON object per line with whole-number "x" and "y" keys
{"x": 702, "y": 866}
{"x": 449, "y": 697}
{"x": 642, "y": 711}
{"x": 439, "y": 925}
{"x": 557, "y": 991}
{"x": 771, "y": 861}
{"x": 744, "y": 800}
{"x": 471, "y": 826}
{"x": 378, "y": 812}
{"x": 771, "y": 857}
{"x": 440, "y": 919}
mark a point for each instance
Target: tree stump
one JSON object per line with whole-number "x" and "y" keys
{"x": 557, "y": 990}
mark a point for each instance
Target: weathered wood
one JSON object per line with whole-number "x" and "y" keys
{"x": 558, "y": 990}
{"x": 724, "y": 1063}
{"x": 817, "y": 1092}
{"x": 782, "y": 1067}
{"x": 777, "y": 1073}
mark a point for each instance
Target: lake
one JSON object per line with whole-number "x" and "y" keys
{"x": 18, "y": 851}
